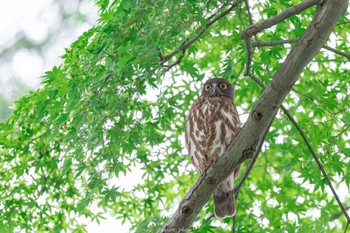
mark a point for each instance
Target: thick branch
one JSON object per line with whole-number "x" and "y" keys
{"x": 251, "y": 164}
{"x": 260, "y": 117}
{"x": 254, "y": 29}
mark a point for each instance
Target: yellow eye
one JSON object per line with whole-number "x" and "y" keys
{"x": 207, "y": 87}
{"x": 223, "y": 86}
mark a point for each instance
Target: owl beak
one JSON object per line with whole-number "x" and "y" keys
{"x": 215, "y": 90}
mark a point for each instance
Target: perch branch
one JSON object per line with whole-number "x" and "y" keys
{"x": 237, "y": 188}
{"x": 261, "y": 116}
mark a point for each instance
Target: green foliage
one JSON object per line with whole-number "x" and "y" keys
{"x": 112, "y": 106}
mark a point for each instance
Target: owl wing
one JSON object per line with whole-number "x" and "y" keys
{"x": 196, "y": 133}
{"x": 224, "y": 201}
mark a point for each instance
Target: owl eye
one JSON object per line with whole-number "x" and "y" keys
{"x": 223, "y": 86}
{"x": 207, "y": 87}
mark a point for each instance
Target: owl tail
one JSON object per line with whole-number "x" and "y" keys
{"x": 224, "y": 202}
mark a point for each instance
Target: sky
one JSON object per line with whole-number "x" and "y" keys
{"x": 22, "y": 67}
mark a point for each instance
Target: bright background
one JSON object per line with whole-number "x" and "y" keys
{"x": 33, "y": 35}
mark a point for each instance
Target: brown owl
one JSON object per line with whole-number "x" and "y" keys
{"x": 211, "y": 125}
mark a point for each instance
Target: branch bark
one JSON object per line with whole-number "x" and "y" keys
{"x": 254, "y": 29}
{"x": 261, "y": 115}
{"x": 290, "y": 41}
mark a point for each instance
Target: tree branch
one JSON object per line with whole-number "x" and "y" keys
{"x": 202, "y": 30}
{"x": 248, "y": 12}
{"x": 338, "y": 214}
{"x": 337, "y": 51}
{"x": 273, "y": 43}
{"x": 346, "y": 228}
{"x": 289, "y": 41}
{"x": 306, "y": 141}
{"x": 237, "y": 188}
{"x": 260, "y": 117}
{"x": 254, "y": 29}
{"x": 319, "y": 164}
{"x": 249, "y": 55}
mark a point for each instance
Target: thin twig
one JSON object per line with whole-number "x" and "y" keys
{"x": 337, "y": 51}
{"x": 339, "y": 134}
{"x": 178, "y": 60}
{"x": 290, "y": 41}
{"x": 248, "y": 12}
{"x": 254, "y": 29}
{"x": 342, "y": 23}
{"x": 320, "y": 166}
{"x": 347, "y": 226}
{"x": 234, "y": 224}
{"x": 213, "y": 15}
{"x": 338, "y": 214}
{"x": 201, "y": 31}
{"x": 236, "y": 78}
{"x": 306, "y": 141}
{"x": 209, "y": 217}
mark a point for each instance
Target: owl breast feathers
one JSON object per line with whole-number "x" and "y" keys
{"x": 211, "y": 125}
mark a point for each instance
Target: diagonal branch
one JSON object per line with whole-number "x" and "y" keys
{"x": 254, "y": 29}
{"x": 261, "y": 116}
{"x": 247, "y": 171}
{"x": 201, "y": 30}
{"x": 237, "y": 188}
{"x": 319, "y": 164}
{"x": 306, "y": 141}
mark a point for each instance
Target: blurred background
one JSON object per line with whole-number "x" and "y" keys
{"x": 33, "y": 35}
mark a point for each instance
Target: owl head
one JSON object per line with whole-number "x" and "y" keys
{"x": 217, "y": 87}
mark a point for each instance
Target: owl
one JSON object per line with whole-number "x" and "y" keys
{"x": 212, "y": 123}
